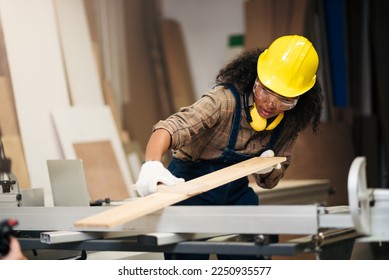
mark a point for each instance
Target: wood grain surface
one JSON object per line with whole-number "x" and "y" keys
{"x": 170, "y": 195}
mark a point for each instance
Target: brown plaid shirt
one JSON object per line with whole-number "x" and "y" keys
{"x": 201, "y": 131}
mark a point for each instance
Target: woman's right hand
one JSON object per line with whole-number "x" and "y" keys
{"x": 151, "y": 173}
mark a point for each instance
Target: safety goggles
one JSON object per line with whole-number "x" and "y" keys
{"x": 277, "y": 101}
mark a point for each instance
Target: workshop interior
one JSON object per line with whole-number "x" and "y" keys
{"x": 82, "y": 82}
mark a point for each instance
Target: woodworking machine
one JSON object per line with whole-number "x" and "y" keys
{"x": 9, "y": 192}
{"x": 188, "y": 229}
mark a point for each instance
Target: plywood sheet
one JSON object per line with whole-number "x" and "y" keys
{"x": 180, "y": 79}
{"x": 8, "y": 117}
{"x": 90, "y": 124}
{"x": 151, "y": 20}
{"x": 3, "y": 55}
{"x": 142, "y": 91}
{"x": 14, "y": 150}
{"x": 81, "y": 67}
{"x": 38, "y": 80}
{"x": 102, "y": 171}
{"x": 282, "y": 13}
{"x": 169, "y": 195}
{"x": 266, "y": 20}
{"x": 297, "y": 17}
{"x": 259, "y": 23}
{"x": 111, "y": 102}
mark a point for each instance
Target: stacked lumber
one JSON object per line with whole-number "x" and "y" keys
{"x": 266, "y": 20}
{"x": 46, "y": 68}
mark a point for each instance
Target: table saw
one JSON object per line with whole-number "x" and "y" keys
{"x": 217, "y": 229}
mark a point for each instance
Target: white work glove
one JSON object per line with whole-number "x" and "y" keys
{"x": 267, "y": 154}
{"x": 151, "y": 173}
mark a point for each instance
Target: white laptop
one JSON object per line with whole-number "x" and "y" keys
{"x": 68, "y": 183}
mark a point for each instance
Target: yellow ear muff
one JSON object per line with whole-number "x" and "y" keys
{"x": 276, "y": 121}
{"x": 260, "y": 123}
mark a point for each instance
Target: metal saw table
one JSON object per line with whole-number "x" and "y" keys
{"x": 191, "y": 229}
{"x": 191, "y": 226}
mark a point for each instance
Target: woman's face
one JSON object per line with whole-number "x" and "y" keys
{"x": 270, "y": 104}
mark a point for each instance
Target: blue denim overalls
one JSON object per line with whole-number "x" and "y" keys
{"x": 234, "y": 193}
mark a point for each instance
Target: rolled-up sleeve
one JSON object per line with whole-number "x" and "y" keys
{"x": 191, "y": 122}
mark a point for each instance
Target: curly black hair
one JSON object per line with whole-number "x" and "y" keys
{"x": 241, "y": 72}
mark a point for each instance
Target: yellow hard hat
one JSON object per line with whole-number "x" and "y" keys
{"x": 288, "y": 67}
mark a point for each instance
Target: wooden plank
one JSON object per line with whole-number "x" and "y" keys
{"x": 118, "y": 74}
{"x": 8, "y": 117}
{"x": 170, "y": 195}
{"x": 102, "y": 171}
{"x": 298, "y": 10}
{"x": 282, "y": 13}
{"x": 259, "y": 23}
{"x": 4, "y": 71}
{"x": 151, "y": 21}
{"x": 89, "y": 124}
{"x": 81, "y": 67}
{"x": 108, "y": 31}
{"x": 267, "y": 20}
{"x": 141, "y": 90}
{"x": 14, "y": 150}
{"x": 177, "y": 64}
{"x": 108, "y": 34}
{"x": 111, "y": 102}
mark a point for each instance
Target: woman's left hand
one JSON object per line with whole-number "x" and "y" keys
{"x": 268, "y": 154}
